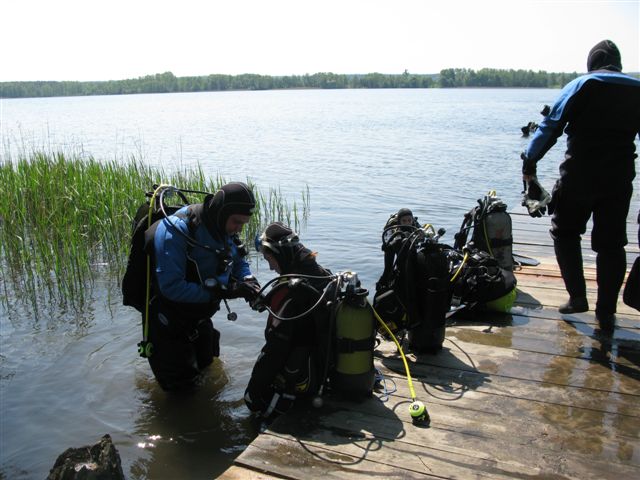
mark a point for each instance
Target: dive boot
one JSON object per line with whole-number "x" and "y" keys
{"x": 574, "y": 305}
{"x": 606, "y": 322}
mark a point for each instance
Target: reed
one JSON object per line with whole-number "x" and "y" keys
{"x": 66, "y": 219}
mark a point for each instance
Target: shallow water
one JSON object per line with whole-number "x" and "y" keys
{"x": 68, "y": 378}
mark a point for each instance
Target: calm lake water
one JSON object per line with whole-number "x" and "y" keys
{"x": 68, "y": 378}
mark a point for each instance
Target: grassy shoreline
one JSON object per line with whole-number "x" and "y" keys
{"x": 65, "y": 219}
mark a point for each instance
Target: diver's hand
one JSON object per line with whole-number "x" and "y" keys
{"x": 535, "y": 197}
{"x": 537, "y": 213}
{"x": 247, "y": 289}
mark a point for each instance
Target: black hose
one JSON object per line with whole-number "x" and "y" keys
{"x": 306, "y": 312}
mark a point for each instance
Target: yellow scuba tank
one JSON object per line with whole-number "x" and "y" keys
{"x": 354, "y": 373}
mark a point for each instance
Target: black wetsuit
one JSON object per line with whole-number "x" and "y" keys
{"x": 292, "y": 361}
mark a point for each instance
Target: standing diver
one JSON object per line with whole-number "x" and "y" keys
{"x": 292, "y": 362}
{"x": 600, "y": 113}
{"x": 198, "y": 262}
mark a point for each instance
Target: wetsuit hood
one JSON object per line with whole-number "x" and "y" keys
{"x": 604, "y": 56}
{"x": 232, "y": 198}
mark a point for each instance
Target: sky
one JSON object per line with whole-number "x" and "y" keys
{"x": 118, "y": 39}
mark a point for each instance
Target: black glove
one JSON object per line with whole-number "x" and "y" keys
{"x": 247, "y": 289}
{"x": 535, "y": 198}
{"x": 258, "y": 303}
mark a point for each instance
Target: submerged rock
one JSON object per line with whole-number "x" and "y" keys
{"x": 92, "y": 462}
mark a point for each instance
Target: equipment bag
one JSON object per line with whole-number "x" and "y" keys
{"x": 492, "y": 230}
{"x": 482, "y": 281}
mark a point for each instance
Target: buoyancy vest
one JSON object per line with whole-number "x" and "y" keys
{"x": 416, "y": 296}
{"x": 492, "y": 230}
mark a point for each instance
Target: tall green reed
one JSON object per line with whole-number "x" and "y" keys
{"x": 66, "y": 219}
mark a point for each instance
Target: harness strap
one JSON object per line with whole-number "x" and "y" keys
{"x": 348, "y": 345}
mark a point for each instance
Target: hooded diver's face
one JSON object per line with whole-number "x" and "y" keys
{"x": 271, "y": 260}
{"x": 406, "y": 220}
{"x": 235, "y": 223}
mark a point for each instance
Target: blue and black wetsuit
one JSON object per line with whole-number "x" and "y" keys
{"x": 190, "y": 280}
{"x": 600, "y": 113}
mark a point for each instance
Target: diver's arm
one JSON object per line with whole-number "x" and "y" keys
{"x": 549, "y": 129}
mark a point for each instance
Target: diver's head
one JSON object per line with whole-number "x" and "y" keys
{"x": 278, "y": 243}
{"x": 229, "y": 209}
{"x": 405, "y": 217}
{"x": 604, "y": 56}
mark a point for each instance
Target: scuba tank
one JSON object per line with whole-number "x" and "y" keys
{"x": 492, "y": 230}
{"x": 433, "y": 298}
{"x": 418, "y": 295}
{"x": 427, "y": 291}
{"x": 354, "y": 373}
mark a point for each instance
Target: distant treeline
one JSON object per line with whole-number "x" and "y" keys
{"x": 167, "y": 82}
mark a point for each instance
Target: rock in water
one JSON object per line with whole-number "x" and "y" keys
{"x": 92, "y": 462}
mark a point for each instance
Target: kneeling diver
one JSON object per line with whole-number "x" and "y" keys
{"x": 292, "y": 361}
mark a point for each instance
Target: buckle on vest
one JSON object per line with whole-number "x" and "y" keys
{"x": 193, "y": 335}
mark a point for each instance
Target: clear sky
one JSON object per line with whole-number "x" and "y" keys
{"x": 117, "y": 39}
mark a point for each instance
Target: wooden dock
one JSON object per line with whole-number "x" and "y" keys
{"x": 531, "y": 394}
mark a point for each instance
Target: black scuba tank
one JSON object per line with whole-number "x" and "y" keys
{"x": 432, "y": 299}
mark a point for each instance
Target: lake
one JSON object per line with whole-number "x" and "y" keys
{"x": 68, "y": 378}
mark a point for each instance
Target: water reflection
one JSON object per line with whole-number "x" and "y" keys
{"x": 192, "y": 434}
{"x": 608, "y": 426}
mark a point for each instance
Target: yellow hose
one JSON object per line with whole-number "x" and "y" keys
{"x": 152, "y": 205}
{"x": 464, "y": 260}
{"x": 404, "y": 359}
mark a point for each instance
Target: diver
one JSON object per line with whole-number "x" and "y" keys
{"x": 198, "y": 263}
{"x": 398, "y": 227}
{"x": 600, "y": 113}
{"x": 293, "y": 361}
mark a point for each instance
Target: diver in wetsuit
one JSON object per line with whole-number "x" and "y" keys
{"x": 600, "y": 113}
{"x": 292, "y": 362}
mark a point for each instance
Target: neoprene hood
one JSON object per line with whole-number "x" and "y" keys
{"x": 604, "y": 56}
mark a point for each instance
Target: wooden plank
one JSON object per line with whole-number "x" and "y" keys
{"x": 531, "y": 296}
{"x": 528, "y": 394}
{"x": 603, "y": 398}
{"x": 481, "y": 415}
{"x": 295, "y": 457}
{"x": 468, "y": 350}
{"x": 340, "y": 437}
{"x": 240, "y": 473}
{"x": 569, "y": 342}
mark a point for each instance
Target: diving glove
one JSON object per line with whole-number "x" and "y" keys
{"x": 535, "y": 197}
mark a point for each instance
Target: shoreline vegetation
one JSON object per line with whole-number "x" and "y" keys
{"x": 66, "y": 220}
{"x": 167, "y": 82}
